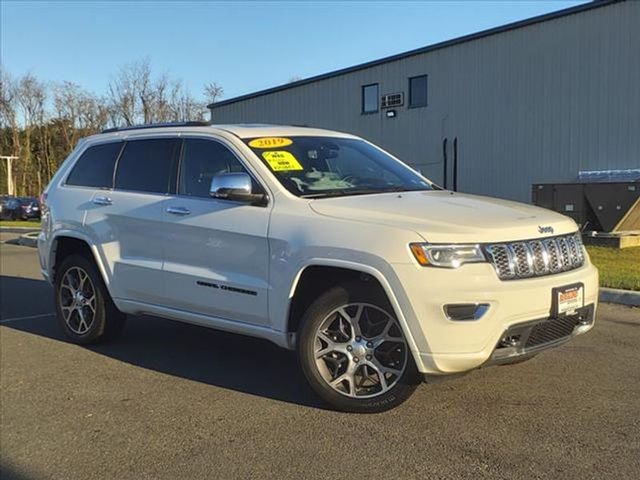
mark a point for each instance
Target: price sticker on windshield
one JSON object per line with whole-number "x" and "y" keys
{"x": 281, "y": 161}
{"x": 270, "y": 142}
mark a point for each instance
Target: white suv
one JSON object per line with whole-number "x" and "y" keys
{"x": 315, "y": 240}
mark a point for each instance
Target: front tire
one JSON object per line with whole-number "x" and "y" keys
{"x": 83, "y": 304}
{"x": 353, "y": 351}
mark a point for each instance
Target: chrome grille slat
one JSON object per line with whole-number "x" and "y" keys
{"x": 540, "y": 257}
{"x": 534, "y": 258}
{"x": 567, "y": 264}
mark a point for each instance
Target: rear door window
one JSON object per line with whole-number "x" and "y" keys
{"x": 148, "y": 165}
{"x": 95, "y": 167}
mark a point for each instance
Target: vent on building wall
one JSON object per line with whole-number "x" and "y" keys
{"x": 392, "y": 100}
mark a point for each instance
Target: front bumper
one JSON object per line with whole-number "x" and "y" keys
{"x": 523, "y": 341}
{"x": 446, "y": 347}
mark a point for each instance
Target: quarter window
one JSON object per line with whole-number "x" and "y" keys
{"x": 148, "y": 165}
{"x": 95, "y": 167}
{"x": 201, "y": 161}
{"x": 418, "y": 91}
{"x": 370, "y": 98}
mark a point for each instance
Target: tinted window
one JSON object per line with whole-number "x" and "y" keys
{"x": 201, "y": 161}
{"x": 95, "y": 167}
{"x": 418, "y": 91}
{"x": 148, "y": 165}
{"x": 370, "y": 98}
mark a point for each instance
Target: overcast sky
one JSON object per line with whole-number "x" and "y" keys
{"x": 244, "y": 46}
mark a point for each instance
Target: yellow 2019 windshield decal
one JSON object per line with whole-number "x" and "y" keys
{"x": 281, "y": 161}
{"x": 270, "y": 142}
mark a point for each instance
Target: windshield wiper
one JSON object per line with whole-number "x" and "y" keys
{"x": 339, "y": 193}
{"x": 360, "y": 191}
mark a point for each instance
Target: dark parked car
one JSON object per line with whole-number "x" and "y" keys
{"x": 30, "y": 208}
{"x": 12, "y": 208}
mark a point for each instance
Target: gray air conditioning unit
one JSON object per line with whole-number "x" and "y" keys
{"x": 392, "y": 100}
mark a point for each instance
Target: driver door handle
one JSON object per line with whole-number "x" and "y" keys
{"x": 102, "y": 201}
{"x": 178, "y": 210}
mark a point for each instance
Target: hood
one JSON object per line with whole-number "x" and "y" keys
{"x": 440, "y": 216}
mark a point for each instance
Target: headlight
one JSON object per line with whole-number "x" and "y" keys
{"x": 447, "y": 256}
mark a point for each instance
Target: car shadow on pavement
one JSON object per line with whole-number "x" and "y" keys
{"x": 11, "y": 472}
{"x": 221, "y": 359}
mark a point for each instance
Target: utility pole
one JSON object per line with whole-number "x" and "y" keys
{"x": 9, "y": 159}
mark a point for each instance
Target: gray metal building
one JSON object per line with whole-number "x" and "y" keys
{"x": 529, "y": 102}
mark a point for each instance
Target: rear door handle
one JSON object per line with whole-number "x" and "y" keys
{"x": 102, "y": 201}
{"x": 178, "y": 210}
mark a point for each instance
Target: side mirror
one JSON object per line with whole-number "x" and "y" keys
{"x": 235, "y": 187}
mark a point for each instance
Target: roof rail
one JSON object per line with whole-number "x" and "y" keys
{"x": 190, "y": 123}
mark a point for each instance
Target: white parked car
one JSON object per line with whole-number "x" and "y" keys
{"x": 317, "y": 241}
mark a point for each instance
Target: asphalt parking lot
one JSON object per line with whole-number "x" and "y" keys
{"x": 174, "y": 401}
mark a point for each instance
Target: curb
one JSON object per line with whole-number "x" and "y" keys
{"x": 622, "y": 297}
{"x": 29, "y": 239}
{"x": 19, "y": 229}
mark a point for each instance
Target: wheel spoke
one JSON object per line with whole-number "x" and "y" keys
{"x": 67, "y": 311}
{"x": 384, "y": 335}
{"x": 384, "y": 369}
{"x": 343, "y": 325}
{"x": 325, "y": 351}
{"x": 82, "y": 277}
{"x": 74, "y": 280}
{"x": 91, "y": 303}
{"x": 82, "y": 324}
{"x": 383, "y": 381}
{"x": 345, "y": 377}
{"x": 354, "y": 321}
{"x": 68, "y": 287}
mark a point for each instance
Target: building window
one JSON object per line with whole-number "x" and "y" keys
{"x": 418, "y": 91}
{"x": 370, "y": 98}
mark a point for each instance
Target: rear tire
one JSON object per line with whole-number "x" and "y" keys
{"x": 83, "y": 304}
{"x": 353, "y": 352}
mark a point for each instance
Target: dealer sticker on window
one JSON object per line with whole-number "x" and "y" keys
{"x": 569, "y": 299}
{"x": 280, "y": 161}
{"x": 270, "y": 142}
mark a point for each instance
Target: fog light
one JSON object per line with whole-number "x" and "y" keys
{"x": 510, "y": 341}
{"x": 465, "y": 311}
{"x": 583, "y": 319}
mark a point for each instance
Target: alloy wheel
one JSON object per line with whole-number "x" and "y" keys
{"x": 360, "y": 350}
{"x": 77, "y": 300}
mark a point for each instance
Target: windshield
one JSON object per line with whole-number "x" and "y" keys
{"x": 315, "y": 167}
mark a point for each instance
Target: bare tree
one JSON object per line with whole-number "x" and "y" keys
{"x": 42, "y": 123}
{"x": 123, "y": 94}
{"x": 78, "y": 111}
{"x": 8, "y": 111}
{"x": 9, "y": 144}
{"x": 31, "y": 95}
{"x": 137, "y": 95}
{"x": 212, "y": 92}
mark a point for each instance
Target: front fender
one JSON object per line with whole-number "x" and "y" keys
{"x": 280, "y": 303}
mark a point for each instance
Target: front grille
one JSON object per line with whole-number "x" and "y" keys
{"x": 552, "y": 330}
{"x": 535, "y": 258}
